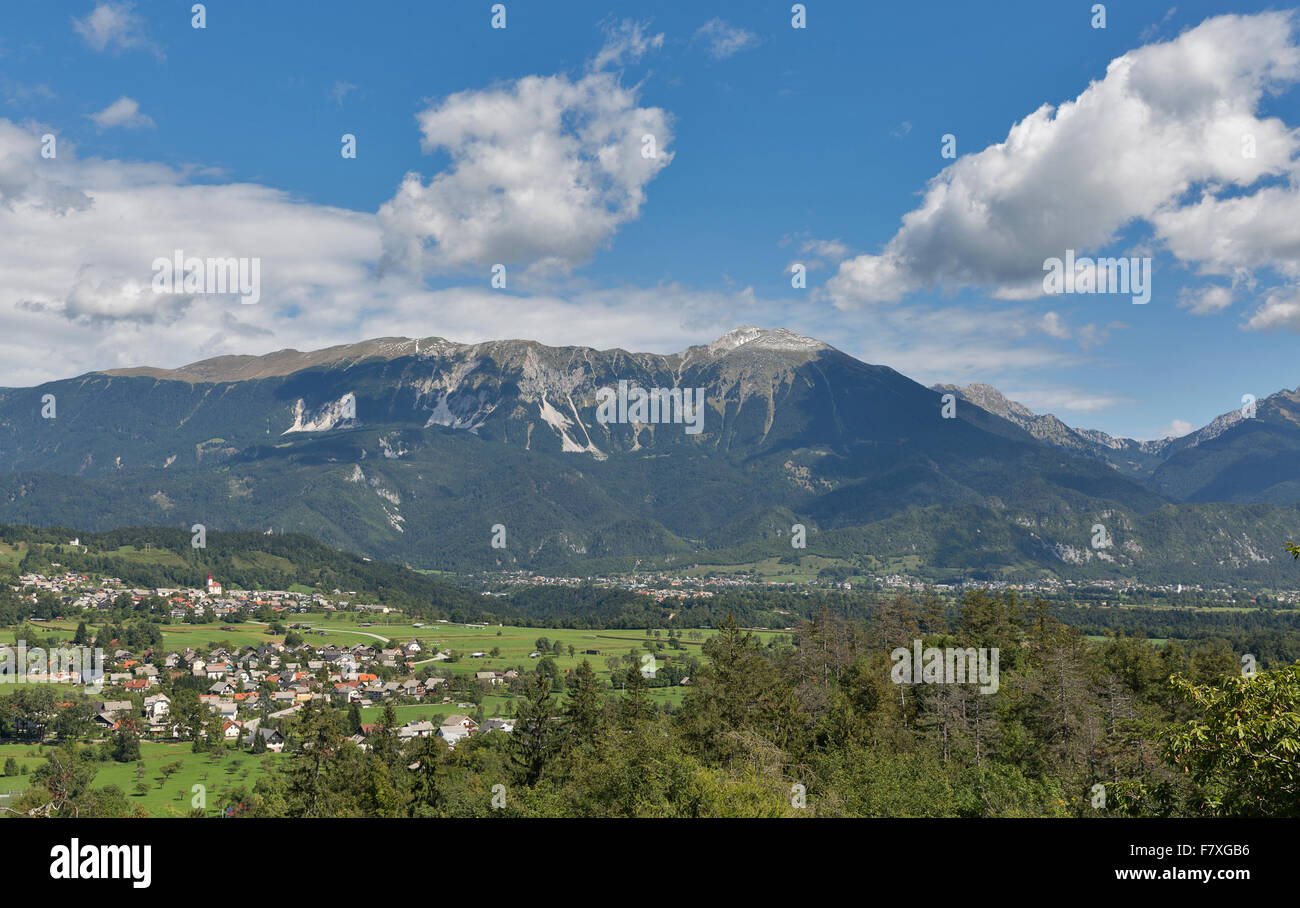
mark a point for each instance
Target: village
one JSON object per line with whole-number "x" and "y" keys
{"x": 252, "y": 688}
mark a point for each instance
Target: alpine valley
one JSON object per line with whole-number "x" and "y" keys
{"x": 412, "y": 450}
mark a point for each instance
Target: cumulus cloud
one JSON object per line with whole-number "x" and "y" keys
{"x": 1205, "y": 300}
{"x": 26, "y": 184}
{"x": 116, "y": 27}
{"x": 124, "y": 113}
{"x": 1167, "y": 119}
{"x": 1176, "y": 429}
{"x": 543, "y": 171}
{"x": 724, "y": 40}
{"x": 1280, "y": 309}
{"x": 78, "y": 239}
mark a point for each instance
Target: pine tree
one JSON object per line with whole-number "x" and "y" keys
{"x": 632, "y": 706}
{"x": 584, "y": 709}
{"x": 319, "y": 740}
{"x": 534, "y": 741}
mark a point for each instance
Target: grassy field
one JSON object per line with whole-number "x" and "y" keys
{"x": 27, "y": 755}
{"x": 173, "y": 796}
{"x": 47, "y": 628}
{"x": 12, "y": 555}
{"x": 199, "y": 636}
{"x": 170, "y": 797}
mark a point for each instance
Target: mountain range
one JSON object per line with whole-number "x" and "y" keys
{"x": 1234, "y": 457}
{"x": 427, "y": 452}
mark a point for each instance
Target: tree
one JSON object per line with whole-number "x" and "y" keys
{"x": 27, "y": 712}
{"x": 318, "y": 740}
{"x": 187, "y": 712}
{"x": 1243, "y": 747}
{"x": 61, "y": 788}
{"x": 74, "y": 722}
{"x": 534, "y": 740}
{"x": 11, "y": 766}
{"x": 353, "y": 725}
{"x": 583, "y": 710}
{"x": 125, "y": 744}
{"x": 738, "y": 700}
{"x": 386, "y": 744}
{"x": 632, "y": 706}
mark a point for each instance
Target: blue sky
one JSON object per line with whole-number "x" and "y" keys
{"x": 777, "y": 145}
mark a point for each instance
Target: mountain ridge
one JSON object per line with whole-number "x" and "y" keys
{"x": 408, "y": 456}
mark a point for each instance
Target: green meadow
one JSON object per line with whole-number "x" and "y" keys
{"x": 160, "y": 794}
{"x": 173, "y": 794}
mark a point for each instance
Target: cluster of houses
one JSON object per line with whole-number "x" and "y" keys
{"x": 451, "y": 729}
{"x": 256, "y": 685}
{"x": 205, "y": 603}
{"x": 157, "y": 713}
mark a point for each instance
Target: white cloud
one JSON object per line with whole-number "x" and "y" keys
{"x": 725, "y": 40}
{"x": 1165, "y": 118}
{"x": 543, "y": 171}
{"x": 1090, "y": 335}
{"x": 1054, "y": 326}
{"x": 817, "y": 254}
{"x": 1205, "y": 300}
{"x": 626, "y": 42}
{"x": 1152, "y": 30}
{"x": 114, "y": 26}
{"x": 124, "y": 113}
{"x": 1062, "y": 400}
{"x": 1176, "y": 429}
{"x": 341, "y": 91}
{"x": 1280, "y": 309}
{"x": 78, "y": 239}
{"x": 77, "y": 244}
